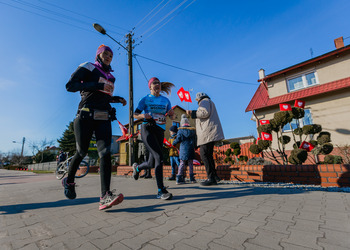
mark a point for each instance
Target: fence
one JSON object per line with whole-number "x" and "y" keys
{"x": 46, "y": 166}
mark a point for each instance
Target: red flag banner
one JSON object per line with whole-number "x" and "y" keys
{"x": 307, "y": 146}
{"x": 266, "y": 136}
{"x": 285, "y": 107}
{"x": 195, "y": 162}
{"x": 181, "y": 93}
{"x": 263, "y": 122}
{"x": 167, "y": 143}
{"x": 299, "y": 104}
{"x": 122, "y": 128}
{"x": 187, "y": 96}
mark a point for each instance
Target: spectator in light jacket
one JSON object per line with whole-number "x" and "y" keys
{"x": 209, "y": 131}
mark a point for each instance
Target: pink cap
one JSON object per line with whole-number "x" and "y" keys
{"x": 152, "y": 80}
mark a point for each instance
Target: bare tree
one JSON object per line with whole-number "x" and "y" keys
{"x": 40, "y": 147}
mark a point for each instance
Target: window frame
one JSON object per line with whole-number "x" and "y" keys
{"x": 303, "y": 77}
{"x": 301, "y": 122}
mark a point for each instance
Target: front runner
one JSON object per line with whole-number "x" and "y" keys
{"x": 155, "y": 108}
{"x": 96, "y": 84}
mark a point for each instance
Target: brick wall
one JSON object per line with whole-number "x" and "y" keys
{"x": 324, "y": 175}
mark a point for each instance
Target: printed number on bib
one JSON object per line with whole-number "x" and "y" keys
{"x": 159, "y": 118}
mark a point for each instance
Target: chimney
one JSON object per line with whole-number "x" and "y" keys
{"x": 261, "y": 74}
{"x": 339, "y": 42}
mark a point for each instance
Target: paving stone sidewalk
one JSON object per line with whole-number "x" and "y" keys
{"x": 34, "y": 214}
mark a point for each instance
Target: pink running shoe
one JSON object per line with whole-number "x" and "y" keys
{"x": 110, "y": 199}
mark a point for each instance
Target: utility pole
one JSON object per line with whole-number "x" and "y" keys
{"x": 131, "y": 100}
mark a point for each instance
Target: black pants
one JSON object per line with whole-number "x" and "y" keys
{"x": 206, "y": 151}
{"x": 153, "y": 136}
{"x": 83, "y": 130}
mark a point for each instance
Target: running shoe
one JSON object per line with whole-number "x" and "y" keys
{"x": 135, "y": 173}
{"x": 69, "y": 189}
{"x": 164, "y": 194}
{"x": 110, "y": 199}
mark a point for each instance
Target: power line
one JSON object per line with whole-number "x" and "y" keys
{"x": 141, "y": 68}
{"x": 195, "y": 72}
{"x": 169, "y": 20}
{"x": 150, "y": 13}
{"x": 60, "y": 21}
{"x": 76, "y": 13}
{"x": 169, "y": 13}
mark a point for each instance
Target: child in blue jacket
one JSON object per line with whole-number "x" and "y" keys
{"x": 186, "y": 136}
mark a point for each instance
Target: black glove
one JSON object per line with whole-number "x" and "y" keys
{"x": 112, "y": 114}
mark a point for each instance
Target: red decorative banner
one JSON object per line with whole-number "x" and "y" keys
{"x": 285, "y": 107}
{"x": 307, "y": 146}
{"x": 263, "y": 122}
{"x": 167, "y": 143}
{"x": 187, "y": 96}
{"x": 195, "y": 162}
{"x": 181, "y": 93}
{"x": 266, "y": 136}
{"x": 299, "y": 104}
{"x": 123, "y": 128}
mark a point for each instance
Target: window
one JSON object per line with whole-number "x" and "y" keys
{"x": 138, "y": 127}
{"x": 302, "y": 81}
{"x": 177, "y": 124}
{"x": 306, "y": 120}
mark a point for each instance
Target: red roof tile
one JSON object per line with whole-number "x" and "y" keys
{"x": 261, "y": 98}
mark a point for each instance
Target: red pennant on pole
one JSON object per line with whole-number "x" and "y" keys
{"x": 187, "y": 96}
{"x": 181, "y": 93}
{"x": 167, "y": 143}
{"x": 307, "y": 146}
{"x": 263, "y": 122}
{"x": 285, "y": 107}
{"x": 299, "y": 104}
{"x": 266, "y": 136}
{"x": 122, "y": 128}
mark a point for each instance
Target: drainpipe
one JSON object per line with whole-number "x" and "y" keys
{"x": 257, "y": 124}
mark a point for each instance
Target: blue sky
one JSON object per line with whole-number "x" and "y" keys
{"x": 43, "y": 42}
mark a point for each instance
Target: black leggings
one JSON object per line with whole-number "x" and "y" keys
{"x": 153, "y": 136}
{"x": 83, "y": 130}
{"x": 206, "y": 151}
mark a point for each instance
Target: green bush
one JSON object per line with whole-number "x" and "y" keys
{"x": 285, "y": 139}
{"x": 243, "y": 158}
{"x": 282, "y": 118}
{"x": 312, "y": 129}
{"x": 326, "y": 148}
{"x": 274, "y": 125}
{"x": 267, "y": 128}
{"x": 297, "y": 113}
{"x": 297, "y": 156}
{"x": 228, "y": 152}
{"x": 264, "y": 144}
{"x": 333, "y": 159}
{"x": 296, "y": 145}
{"x": 234, "y": 145}
{"x": 298, "y": 131}
{"x": 255, "y": 149}
{"x": 323, "y": 137}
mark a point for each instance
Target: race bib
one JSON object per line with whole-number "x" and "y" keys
{"x": 159, "y": 118}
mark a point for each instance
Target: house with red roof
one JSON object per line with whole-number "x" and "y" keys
{"x": 322, "y": 82}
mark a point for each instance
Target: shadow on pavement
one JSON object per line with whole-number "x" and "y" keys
{"x": 20, "y": 208}
{"x": 213, "y": 193}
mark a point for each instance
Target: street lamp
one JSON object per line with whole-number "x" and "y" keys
{"x": 101, "y": 30}
{"x": 23, "y": 141}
